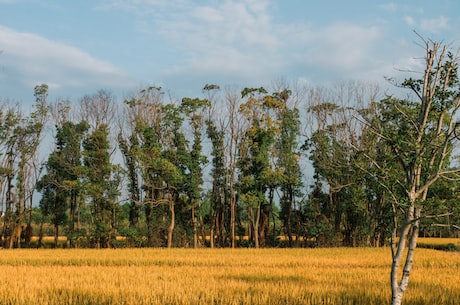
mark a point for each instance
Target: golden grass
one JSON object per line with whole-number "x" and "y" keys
{"x": 438, "y": 241}
{"x": 221, "y": 276}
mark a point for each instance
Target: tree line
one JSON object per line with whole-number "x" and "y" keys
{"x": 288, "y": 166}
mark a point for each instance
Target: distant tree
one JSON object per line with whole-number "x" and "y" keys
{"x": 101, "y": 176}
{"x": 193, "y": 110}
{"x": 61, "y": 184}
{"x": 10, "y": 119}
{"x": 140, "y": 143}
{"x": 288, "y": 162}
{"x": 175, "y": 159}
{"x": 100, "y": 186}
{"x": 336, "y": 146}
{"x": 259, "y": 176}
{"x": 234, "y": 137}
{"x": 224, "y": 129}
{"x": 22, "y": 148}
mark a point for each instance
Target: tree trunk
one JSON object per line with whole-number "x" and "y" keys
{"x": 149, "y": 220}
{"x": 232, "y": 217}
{"x": 195, "y": 231}
{"x": 56, "y": 235}
{"x": 40, "y": 236}
{"x": 15, "y": 238}
{"x": 409, "y": 230}
{"x": 73, "y": 209}
{"x": 289, "y": 216}
{"x": 211, "y": 234}
{"x": 171, "y": 224}
{"x": 256, "y": 226}
{"x": 203, "y": 231}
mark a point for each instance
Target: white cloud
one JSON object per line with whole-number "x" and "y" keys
{"x": 30, "y": 59}
{"x": 391, "y": 7}
{"x": 343, "y": 46}
{"x": 141, "y": 7}
{"x": 409, "y": 20}
{"x": 239, "y": 41}
{"x": 435, "y": 25}
{"x": 234, "y": 38}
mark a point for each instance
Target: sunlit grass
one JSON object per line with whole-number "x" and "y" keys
{"x": 221, "y": 276}
{"x": 439, "y": 241}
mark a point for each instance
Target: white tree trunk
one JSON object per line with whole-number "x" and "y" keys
{"x": 409, "y": 231}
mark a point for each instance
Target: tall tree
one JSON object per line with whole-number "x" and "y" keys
{"x": 288, "y": 162}
{"x": 140, "y": 143}
{"x": 224, "y": 131}
{"x": 420, "y": 135}
{"x": 24, "y": 144}
{"x": 101, "y": 176}
{"x": 333, "y": 149}
{"x": 193, "y": 109}
{"x": 61, "y": 184}
{"x": 10, "y": 119}
{"x": 100, "y": 186}
{"x": 258, "y": 176}
{"x": 175, "y": 160}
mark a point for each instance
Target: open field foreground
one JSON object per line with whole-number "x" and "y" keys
{"x": 221, "y": 276}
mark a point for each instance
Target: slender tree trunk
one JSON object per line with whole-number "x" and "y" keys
{"x": 211, "y": 233}
{"x": 232, "y": 217}
{"x": 71, "y": 233}
{"x": 288, "y": 220}
{"x": 409, "y": 232}
{"x": 40, "y": 235}
{"x": 56, "y": 235}
{"x": 203, "y": 231}
{"x": 172, "y": 223}
{"x": 195, "y": 231}
{"x": 15, "y": 238}
{"x": 256, "y": 226}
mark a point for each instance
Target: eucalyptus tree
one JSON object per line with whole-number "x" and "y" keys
{"x": 194, "y": 111}
{"x": 333, "y": 145}
{"x": 173, "y": 163}
{"x": 218, "y": 190}
{"x": 156, "y": 155}
{"x": 101, "y": 186}
{"x": 234, "y": 138}
{"x": 10, "y": 119}
{"x": 331, "y": 158}
{"x": 224, "y": 130}
{"x": 288, "y": 157}
{"x": 101, "y": 176}
{"x": 22, "y": 148}
{"x": 140, "y": 143}
{"x": 259, "y": 175}
{"x": 61, "y": 184}
{"x": 421, "y": 135}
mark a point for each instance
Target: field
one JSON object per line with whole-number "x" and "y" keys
{"x": 221, "y": 276}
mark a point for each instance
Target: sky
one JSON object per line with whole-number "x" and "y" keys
{"x": 80, "y": 47}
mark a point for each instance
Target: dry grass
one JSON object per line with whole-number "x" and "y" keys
{"x": 221, "y": 276}
{"x": 439, "y": 241}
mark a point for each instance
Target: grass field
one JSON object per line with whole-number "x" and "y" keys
{"x": 221, "y": 276}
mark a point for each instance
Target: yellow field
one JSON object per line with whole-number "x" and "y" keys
{"x": 438, "y": 241}
{"x": 221, "y": 276}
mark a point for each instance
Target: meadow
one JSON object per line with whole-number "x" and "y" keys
{"x": 221, "y": 276}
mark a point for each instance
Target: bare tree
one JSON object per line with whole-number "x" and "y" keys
{"x": 418, "y": 140}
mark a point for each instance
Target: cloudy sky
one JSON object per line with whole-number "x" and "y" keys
{"x": 79, "y": 47}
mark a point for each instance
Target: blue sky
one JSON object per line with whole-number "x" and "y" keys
{"x": 79, "y": 47}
